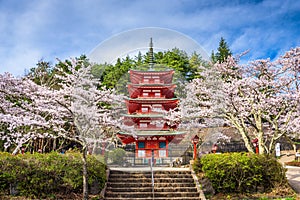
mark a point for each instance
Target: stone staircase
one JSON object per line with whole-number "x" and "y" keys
{"x": 137, "y": 185}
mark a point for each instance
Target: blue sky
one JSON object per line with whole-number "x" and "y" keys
{"x": 32, "y": 30}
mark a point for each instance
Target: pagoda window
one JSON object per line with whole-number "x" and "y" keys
{"x": 146, "y": 79}
{"x": 159, "y": 125}
{"x": 145, "y": 94}
{"x": 162, "y": 153}
{"x": 156, "y": 81}
{"x": 141, "y": 145}
{"x": 143, "y": 125}
{"x": 141, "y": 153}
{"x": 157, "y": 107}
{"x": 157, "y": 94}
{"x": 155, "y": 90}
{"x": 145, "y": 109}
{"x": 162, "y": 145}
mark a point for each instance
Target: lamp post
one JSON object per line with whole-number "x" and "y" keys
{"x": 23, "y": 150}
{"x": 195, "y": 141}
{"x": 214, "y": 148}
{"x": 255, "y": 144}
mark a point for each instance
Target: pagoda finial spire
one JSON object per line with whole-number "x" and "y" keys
{"x": 151, "y": 57}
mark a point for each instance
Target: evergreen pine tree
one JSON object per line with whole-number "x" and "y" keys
{"x": 222, "y": 53}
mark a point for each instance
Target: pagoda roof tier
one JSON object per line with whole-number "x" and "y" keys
{"x": 137, "y": 105}
{"x": 174, "y": 136}
{"x": 143, "y": 115}
{"x": 155, "y": 133}
{"x": 139, "y": 90}
{"x": 151, "y": 72}
{"x": 154, "y": 122}
{"x": 150, "y": 100}
{"x": 152, "y": 85}
{"x": 161, "y": 77}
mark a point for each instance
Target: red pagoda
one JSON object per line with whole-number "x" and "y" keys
{"x": 151, "y": 93}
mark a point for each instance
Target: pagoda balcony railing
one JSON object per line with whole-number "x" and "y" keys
{"x": 151, "y": 82}
{"x": 151, "y": 111}
{"x": 152, "y": 96}
{"x": 152, "y": 128}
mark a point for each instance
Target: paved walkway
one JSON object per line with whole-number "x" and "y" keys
{"x": 292, "y": 174}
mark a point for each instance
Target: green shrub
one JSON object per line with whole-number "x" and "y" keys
{"x": 197, "y": 165}
{"x": 241, "y": 172}
{"x": 42, "y": 175}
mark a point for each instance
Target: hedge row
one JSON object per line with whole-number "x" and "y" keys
{"x": 44, "y": 175}
{"x": 293, "y": 163}
{"x": 241, "y": 172}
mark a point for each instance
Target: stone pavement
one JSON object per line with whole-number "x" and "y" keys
{"x": 292, "y": 174}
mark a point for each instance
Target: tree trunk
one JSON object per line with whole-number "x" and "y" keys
{"x": 246, "y": 140}
{"x": 85, "y": 174}
{"x": 295, "y": 149}
{"x": 42, "y": 145}
{"x": 45, "y": 145}
{"x": 17, "y": 149}
{"x": 54, "y": 144}
{"x": 261, "y": 147}
{"x": 243, "y": 132}
{"x": 95, "y": 148}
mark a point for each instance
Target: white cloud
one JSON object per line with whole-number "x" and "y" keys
{"x": 19, "y": 58}
{"x": 31, "y": 30}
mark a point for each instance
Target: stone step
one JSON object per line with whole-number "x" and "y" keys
{"x": 149, "y": 189}
{"x": 149, "y": 172}
{"x": 157, "y": 180}
{"x": 156, "y": 198}
{"x": 137, "y": 185}
{"x": 149, "y": 194}
{"x": 149, "y": 175}
{"x": 148, "y": 184}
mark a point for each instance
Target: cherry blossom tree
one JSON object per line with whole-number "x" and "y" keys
{"x": 260, "y": 99}
{"x": 76, "y": 110}
{"x": 87, "y": 109}
{"x": 21, "y": 120}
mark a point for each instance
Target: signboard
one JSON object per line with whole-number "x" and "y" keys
{"x": 277, "y": 149}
